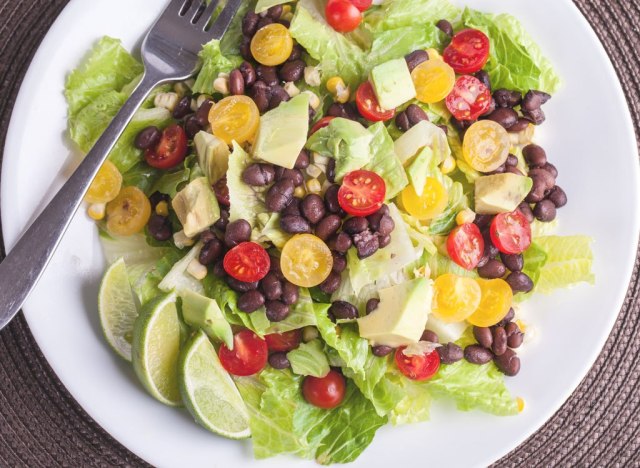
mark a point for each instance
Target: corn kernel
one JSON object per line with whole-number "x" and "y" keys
{"x": 162, "y": 208}
{"x": 221, "y": 84}
{"x": 180, "y": 88}
{"x": 314, "y": 186}
{"x": 338, "y": 89}
{"x": 291, "y": 89}
{"x": 312, "y": 76}
{"x": 167, "y": 101}
{"x": 197, "y": 269}
{"x": 181, "y": 240}
{"x": 202, "y": 98}
{"x": 299, "y": 192}
{"x": 313, "y": 171}
{"x": 520, "y": 402}
{"x": 194, "y": 105}
{"x": 286, "y": 9}
{"x": 287, "y": 16}
{"x": 97, "y": 211}
{"x": 434, "y": 54}
{"x": 448, "y": 165}
{"x": 309, "y": 333}
{"x": 314, "y": 100}
{"x": 465, "y": 216}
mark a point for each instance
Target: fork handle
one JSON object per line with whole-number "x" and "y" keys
{"x": 23, "y": 266}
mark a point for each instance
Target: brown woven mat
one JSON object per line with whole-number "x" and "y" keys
{"x": 42, "y": 425}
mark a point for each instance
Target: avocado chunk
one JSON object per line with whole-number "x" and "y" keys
{"x": 213, "y": 155}
{"x": 401, "y": 316}
{"x": 417, "y": 137}
{"x": 392, "y": 83}
{"x": 447, "y": 332}
{"x": 283, "y": 132}
{"x": 501, "y": 193}
{"x": 196, "y": 207}
{"x": 204, "y": 313}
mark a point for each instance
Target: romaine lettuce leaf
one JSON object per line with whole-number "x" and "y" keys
{"x": 302, "y": 315}
{"x": 230, "y": 43}
{"x": 213, "y": 63}
{"x": 394, "y": 14}
{"x": 247, "y": 202}
{"x": 384, "y": 161}
{"x": 142, "y": 176}
{"x": 268, "y": 229}
{"x": 179, "y": 279}
{"x": 396, "y": 43}
{"x": 309, "y": 359}
{"x": 440, "y": 264}
{"x": 458, "y": 201}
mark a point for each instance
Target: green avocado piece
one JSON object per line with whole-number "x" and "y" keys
{"x": 401, "y": 316}
{"x": 500, "y": 193}
{"x": 204, "y": 313}
{"x": 213, "y": 155}
{"x": 283, "y": 132}
{"x": 196, "y": 206}
{"x": 392, "y": 83}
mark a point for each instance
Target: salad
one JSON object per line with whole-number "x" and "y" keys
{"x": 334, "y": 224}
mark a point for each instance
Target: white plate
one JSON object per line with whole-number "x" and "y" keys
{"x": 588, "y": 135}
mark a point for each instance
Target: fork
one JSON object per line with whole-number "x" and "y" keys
{"x": 169, "y": 53}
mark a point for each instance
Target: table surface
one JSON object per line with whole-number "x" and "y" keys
{"x": 42, "y": 425}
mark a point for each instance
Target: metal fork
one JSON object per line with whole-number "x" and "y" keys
{"x": 169, "y": 53}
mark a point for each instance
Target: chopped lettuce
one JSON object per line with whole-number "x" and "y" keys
{"x": 309, "y": 359}
{"x": 397, "y": 14}
{"x": 230, "y": 43}
{"x": 267, "y": 229}
{"x": 415, "y": 404}
{"x": 424, "y": 165}
{"x": 179, "y": 279}
{"x": 384, "y": 161}
{"x": 142, "y": 176}
{"x": 213, "y": 63}
{"x": 247, "y": 202}
{"x": 302, "y": 315}
{"x": 440, "y": 264}
{"x": 394, "y": 43}
{"x": 264, "y": 5}
{"x": 458, "y": 201}
{"x": 171, "y": 182}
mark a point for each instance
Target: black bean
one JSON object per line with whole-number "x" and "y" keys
{"x": 343, "y": 310}
{"x": 267, "y": 75}
{"x": 211, "y": 251}
{"x": 245, "y": 48}
{"x": 557, "y": 196}
{"x": 218, "y": 269}
{"x": 381, "y": 350}
{"x": 534, "y": 99}
{"x": 237, "y": 232}
{"x": 293, "y": 208}
{"x": 278, "y": 96}
{"x": 507, "y": 98}
{"x": 499, "y": 345}
{"x": 492, "y": 107}
{"x": 340, "y": 242}
{"x": 499, "y": 170}
{"x": 383, "y": 241}
{"x": 508, "y": 363}
{"x": 512, "y": 160}
{"x": 515, "y": 337}
{"x": 296, "y": 53}
{"x": 207, "y": 236}
{"x": 221, "y": 190}
{"x": 534, "y": 155}
{"x": 402, "y": 121}
{"x": 250, "y": 301}
{"x": 483, "y": 336}
{"x": 551, "y": 169}
{"x": 290, "y": 293}
{"x": 482, "y": 220}
{"x": 223, "y": 222}
{"x": 519, "y": 282}
{"x": 484, "y": 78}
{"x": 157, "y": 197}
{"x": 366, "y": 244}
{"x": 202, "y": 114}
{"x": 415, "y": 114}
{"x": 445, "y": 26}
{"x": 248, "y": 74}
{"x": 331, "y": 199}
{"x": 513, "y": 262}
{"x": 331, "y": 284}
{"x": 275, "y": 12}
{"x": 292, "y": 71}
{"x": 547, "y": 178}
{"x": 535, "y": 116}
{"x": 355, "y": 225}
{"x": 415, "y": 58}
{"x": 271, "y": 286}
{"x": 236, "y": 83}
{"x": 386, "y": 225}
{"x": 241, "y": 286}
{"x": 461, "y": 125}
{"x": 331, "y": 170}
{"x": 372, "y": 304}
{"x": 346, "y": 111}
{"x": 183, "y": 108}
{"x": 279, "y": 360}
{"x": 262, "y": 22}
{"x": 285, "y": 23}
{"x": 525, "y": 209}
{"x": 538, "y": 189}
{"x": 303, "y": 160}
{"x": 293, "y": 224}
{"x": 294, "y": 174}
{"x": 148, "y": 138}
{"x": 520, "y": 126}
{"x": 490, "y": 250}
{"x": 375, "y": 218}
{"x": 258, "y": 174}
{"x": 312, "y": 208}
{"x": 492, "y": 269}
{"x": 450, "y": 353}
{"x": 159, "y": 227}
{"x": 274, "y": 266}
{"x": 339, "y": 262}
{"x": 476, "y": 354}
{"x": 509, "y": 317}
{"x": 260, "y": 94}
{"x": 505, "y": 116}
{"x": 513, "y": 170}
{"x": 545, "y": 211}
{"x": 250, "y": 24}
{"x": 192, "y": 126}
{"x": 277, "y": 311}
{"x": 430, "y": 336}
{"x": 328, "y": 226}
{"x": 279, "y": 195}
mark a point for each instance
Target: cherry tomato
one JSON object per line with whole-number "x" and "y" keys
{"x": 324, "y": 392}
{"x": 129, "y": 212}
{"x": 306, "y": 260}
{"x": 455, "y": 297}
{"x": 247, "y": 262}
{"x": 248, "y": 356}
{"x": 284, "y": 341}
{"x": 362, "y": 5}
{"x": 486, "y": 146}
{"x": 323, "y": 122}
{"x": 433, "y": 81}
{"x": 235, "y": 118}
{"x": 469, "y": 98}
{"x": 361, "y": 193}
{"x": 465, "y": 245}
{"x": 495, "y": 302}
{"x": 342, "y": 15}
{"x": 511, "y": 232}
{"x": 171, "y": 150}
{"x": 272, "y": 45}
{"x": 430, "y": 204}
{"x": 418, "y": 367}
{"x": 468, "y": 51}
{"x": 106, "y": 185}
{"x": 369, "y": 106}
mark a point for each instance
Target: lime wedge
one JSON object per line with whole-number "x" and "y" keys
{"x": 208, "y": 391}
{"x": 156, "y": 347}
{"x": 117, "y": 309}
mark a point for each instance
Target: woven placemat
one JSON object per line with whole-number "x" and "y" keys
{"x": 42, "y": 425}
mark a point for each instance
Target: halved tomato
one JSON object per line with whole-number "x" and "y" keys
{"x": 248, "y": 356}
{"x": 369, "y": 106}
{"x": 468, "y": 51}
{"x": 362, "y": 193}
{"x": 247, "y": 262}
{"x": 418, "y": 367}
{"x": 469, "y": 98}
{"x": 323, "y": 122}
{"x": 171, "y": 150}
{"x": 284, "y": 341}
{"x": 511, "y": 232}
{"x": 465, "y": 245}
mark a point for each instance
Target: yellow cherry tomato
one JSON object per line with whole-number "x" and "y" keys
{"x": 235, "y": 118}
{"x": 430, "y": 204}
{"x": 272, "y": 45}
{"x": 433, "y": 80}
{"x": 486, "y": 146}
{"x": 106, "y": 185}
{"x": 129, "y": 212}
{"x": 306, "y": 260}
{"x": 495, "y": 302}
{"x": 455, "y": 297}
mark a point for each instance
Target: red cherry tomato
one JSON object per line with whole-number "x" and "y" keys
{"x": 248, "y": 356}
{"x": 361, "y": 193}
{"x": 369, "y": 106}
{"x": 342, "y": 15}
{"x": 465, "y": 245}
{"x": 171, "y": 150}
{"x": 221, "y": 190}
{"x": 284, "y": 341}
{"x": 418, "y": 367}
{"x": 511, "y": 232}
{"x": 469, "y": 98}
{"x": 324, "y": 392}
{"x": 247, "y": 262}
{"x": 323, "y": 122}
{"x": 362, "y": 5}
{"x": 468, "y": 51}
